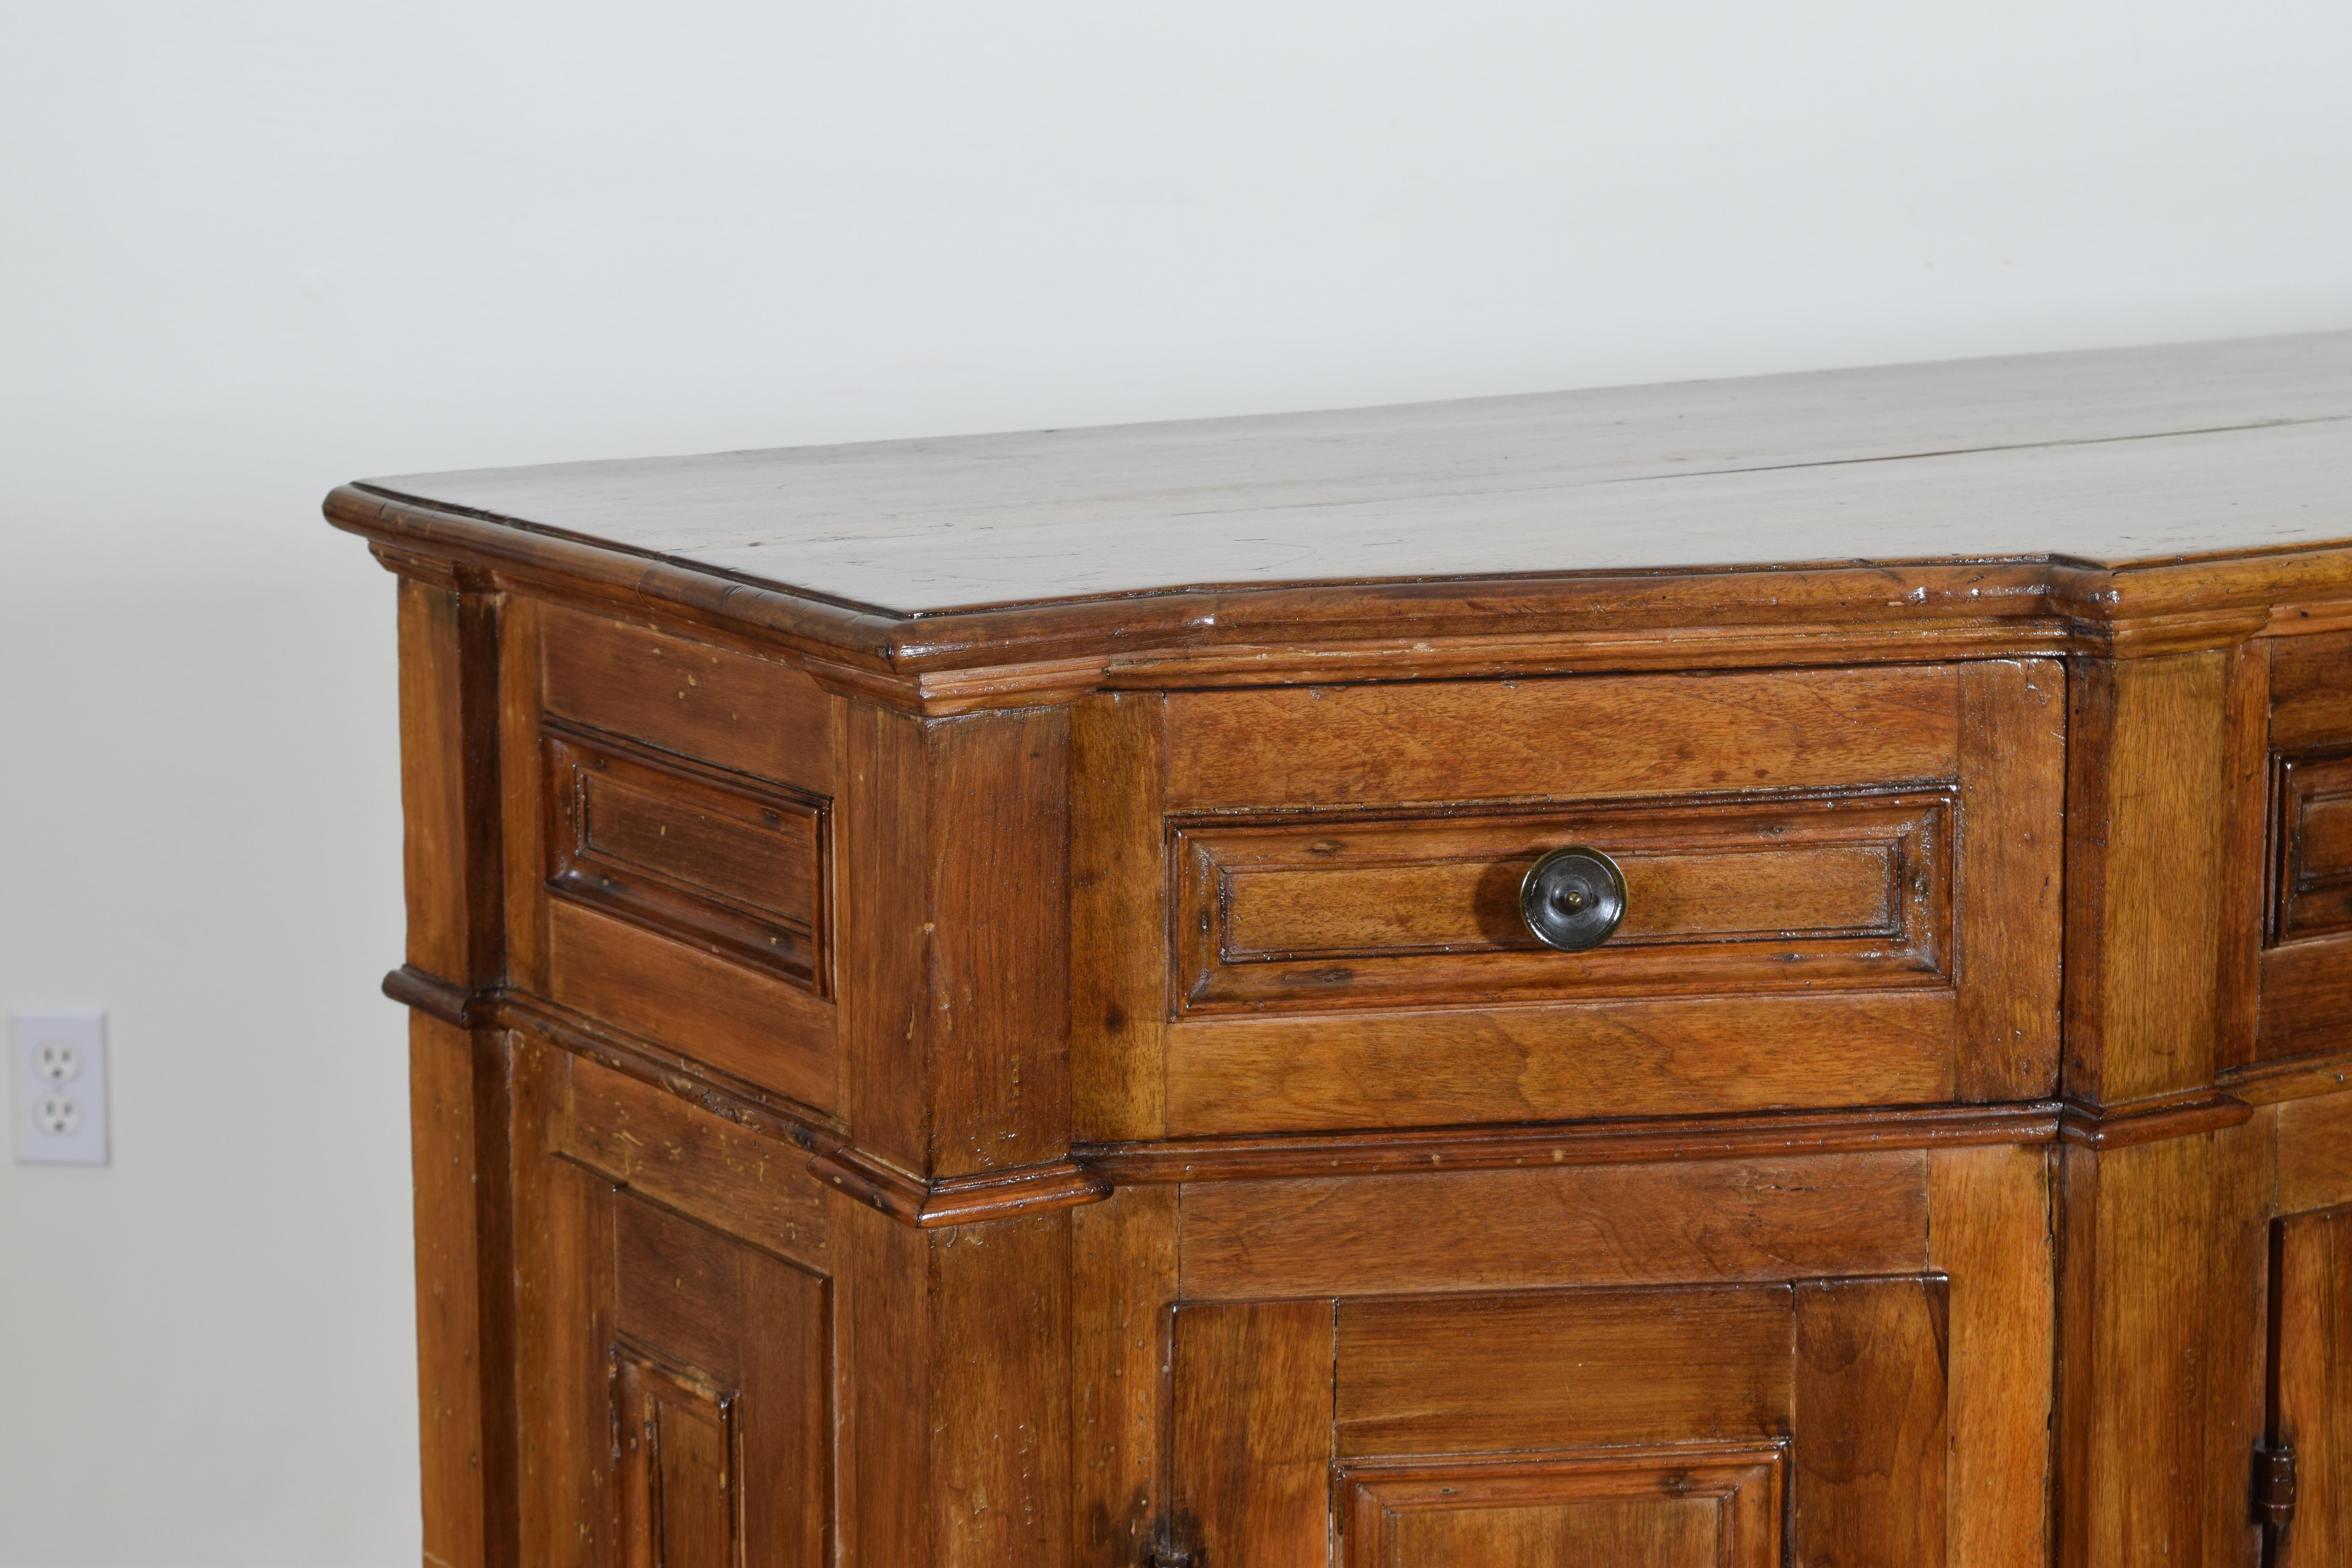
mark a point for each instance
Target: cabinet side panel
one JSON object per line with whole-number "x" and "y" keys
{"x": 563, "y": 1331}
{"x": 885, "y": 1501}
{"x": 521, "y": 787}
{"x": 450, "y": 1392}
{"x": 448, "y": 781}
{"x": 2311, "y": 700}
{"x": 629, "y": 678}
{"x": 2245, "y": 885}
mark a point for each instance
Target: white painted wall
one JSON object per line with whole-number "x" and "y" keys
{"x": 249, "y": 249}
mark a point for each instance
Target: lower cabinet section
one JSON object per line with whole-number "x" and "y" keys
{"x": 1674, "y": 1508}
{"x": 1819, "y": 1361}
{"x": 1833, "y": 1360}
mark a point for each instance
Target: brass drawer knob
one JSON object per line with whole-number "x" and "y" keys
{"x": 1573, "y": 898}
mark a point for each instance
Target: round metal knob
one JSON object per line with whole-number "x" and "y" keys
{"x": 1573, "y": 898}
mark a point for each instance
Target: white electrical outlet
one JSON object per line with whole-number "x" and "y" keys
{"x": 59, "y": 1088}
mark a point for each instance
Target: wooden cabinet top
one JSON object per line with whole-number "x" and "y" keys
{"x": 2083, "y": 488}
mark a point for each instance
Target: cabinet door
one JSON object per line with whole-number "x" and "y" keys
{"x": 675, "y": 1331}
{"x": 2311, "y": 1403}
{"x": 1664, "y": 1425}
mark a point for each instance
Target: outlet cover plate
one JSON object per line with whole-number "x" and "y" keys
{"x": 58, "y": 1087}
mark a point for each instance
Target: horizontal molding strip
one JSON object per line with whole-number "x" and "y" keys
{"x": 1652, "y": 1141}
{"x": 1094, "y": 1170}
{"x": 958, "y": 1200}
{"x": 1017, "y": 654}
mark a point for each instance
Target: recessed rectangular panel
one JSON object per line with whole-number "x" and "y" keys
{"x": 724, "y": 1360}
{"x": 680, "y": 1475}
{"x": 2312, "y": 813}
{"x": 1686, "y": 1506}
{"x": 1808, "y": 893}
{"x": 716, "y": 860}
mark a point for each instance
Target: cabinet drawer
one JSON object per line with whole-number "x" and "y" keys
{"x": 1841, "y": 886}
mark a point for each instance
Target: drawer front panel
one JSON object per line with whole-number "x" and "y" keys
{"x": 1842, "y": 887}
{"x": 1775, "y": 895}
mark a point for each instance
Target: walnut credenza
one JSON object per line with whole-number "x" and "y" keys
{"x": 1017, "y": 1000}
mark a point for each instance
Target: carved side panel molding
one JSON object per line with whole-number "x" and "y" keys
{"x": 734, "y": 864}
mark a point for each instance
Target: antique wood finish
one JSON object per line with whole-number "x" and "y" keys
{"x": 1586, "y": 1421}
{"x": 2311, "y": 1382}
{"x": 1683, "y": 1506}
{"x": 457, "y": 1077}
{"x": 2305, "y": 975}
{"x": 1343, "y": 957}
{"x": 971, "y": 1001}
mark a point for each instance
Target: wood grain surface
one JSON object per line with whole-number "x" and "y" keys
{"x": 2119, "y": 455}
{"x": 1563, "y": 1369}
{"x": 1250, "y": 1445}
{"x": 1989, "y": 1234}
{"x": 1562, "y": 740}
{"x": 1500, "y": 1230}
{"x": 2313, "y": 1279}
{"x": 1872, "y": 1371}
